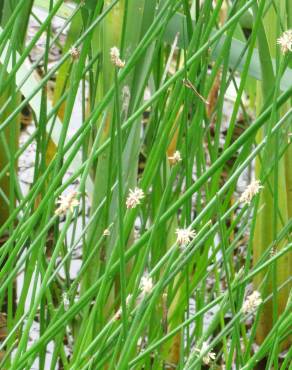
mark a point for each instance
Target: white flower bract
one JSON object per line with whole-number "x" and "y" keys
{"x": 252, "y": 189}
{"x": 175, "y": 158}
{"x": 106, "y": 232}
{"x": 251, "y": 303}
{"x": 184, "y": 236}
{"x": 67, "y": 202}
{"x": 146, "y": 285}
{"x": 115, "y": 57}
{"x": 75, "y": 53}
{"x": 285, "y": 41}
{"x": 134, "y": 197}
{"x": 207, "y": 357}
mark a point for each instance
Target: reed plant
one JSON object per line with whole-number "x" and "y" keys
{"x": 156, "y": 232}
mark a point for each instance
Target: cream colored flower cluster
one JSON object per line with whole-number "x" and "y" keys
{"x": 115, "y": 57}
{"x": 285, "y": 41}
{"x": 208, "y": 357}
{"x": 184, "y": 236}
{"x": 175, "y": 158}
{"x": 251, "y": 303}
{"x": 67, "y": 203}
{"x": 134, "y": 197}
{"x": 252, "y": 189}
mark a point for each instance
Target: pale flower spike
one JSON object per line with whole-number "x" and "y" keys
{"x": 67, "y": 202}
{"x": 146, "y": 285}
{"x": 134, "y": 197}
{"x": 285, "y": 41}
{"x": 75, "y": 53}
{"x": 106, "y": 232}
{"x": 208, "y": 357}
{"x": 115, "y": 57}
{"x": 184, "y": 236}
{"x": 251, "y": 303}
{"x": 175, "y": 158}
{"x": 252, "y": 189}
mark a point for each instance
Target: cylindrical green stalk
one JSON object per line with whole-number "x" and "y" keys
{"x": 7, "y": 151}
{"x": 122, "y": 28}
{"x": 275, "y": 199}
{"x": 10, "y": 136}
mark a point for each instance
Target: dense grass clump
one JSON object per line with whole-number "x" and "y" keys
{"x": 145, "y": 184}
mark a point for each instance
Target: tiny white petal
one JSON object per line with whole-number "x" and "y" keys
{"x": 207, "y": 357}
{"x": 134, "y": 197}
{"x": 285, "y": 41}
{"x": 184, "y": 236}
{"x": 75, "y": 53}
{"x": 115, "y": 57}
{"x": 106, "y": 232}
{"x": 67, "y": 203}
{"x": 251, "y": 303}
{"x": 252, "y": 189}
{"x": 175, "y": 158}
{"x": 146, "y": 285}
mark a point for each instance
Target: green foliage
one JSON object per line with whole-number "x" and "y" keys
{"x": 138, "y": 298}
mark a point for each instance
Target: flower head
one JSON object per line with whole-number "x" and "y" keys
{"x": 115, "y": 57}
{"x": 285, "y": 41}
{"x": 252, "y": 189}
{"x": 175, "y": 158}
{"x": 106, "y": 232}
{"x": 67, "y": 202}
{"x": 207, "y": 357}
{"x": 146, "y": 284}
{"x": 134, "y": 197}
{"x": 251, "y": 303}
{"x": 75, "y": 53}
{"x": 184, "y": 236}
